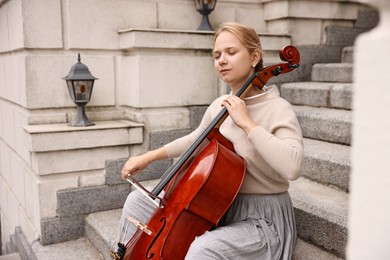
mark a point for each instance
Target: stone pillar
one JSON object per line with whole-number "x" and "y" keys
{"x": 306, "y": 21}
{"x": 369, "y": 219}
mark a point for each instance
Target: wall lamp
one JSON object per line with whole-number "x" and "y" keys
{"x": 80, "y": 84}
{"x": 205, "y": 7}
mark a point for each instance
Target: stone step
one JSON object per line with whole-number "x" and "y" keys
{"x": 321, "y": 214}
{"x": 318, "y": 94}
{"x": 307, "y": 251}
{"x": 13, "y": 256}
{"x": 327, "y": 163}
{"x": 101, "y": 229}
{"x": 332, "y": 125}
{"x": 75, "y": 249}
{"x": 332, "y": 72}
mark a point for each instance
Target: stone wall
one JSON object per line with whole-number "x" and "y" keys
{"x": 153, "y": 69}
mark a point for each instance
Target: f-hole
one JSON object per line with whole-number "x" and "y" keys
{"x": 149, "y": 254}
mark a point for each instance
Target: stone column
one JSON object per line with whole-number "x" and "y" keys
{"x": 369, "y": 220}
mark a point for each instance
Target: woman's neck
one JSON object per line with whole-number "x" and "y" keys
{"x": 252, "y": 91}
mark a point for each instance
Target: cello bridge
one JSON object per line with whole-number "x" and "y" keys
{"x": 143, "y": 227}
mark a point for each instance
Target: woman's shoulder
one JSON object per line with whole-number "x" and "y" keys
{"x": 276, "y": 97}
{"x": 218, "y": 101}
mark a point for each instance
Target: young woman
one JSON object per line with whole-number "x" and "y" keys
{"x": 265, "y": 132}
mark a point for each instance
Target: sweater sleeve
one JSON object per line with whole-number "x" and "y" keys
{"x": 281, "y": 146}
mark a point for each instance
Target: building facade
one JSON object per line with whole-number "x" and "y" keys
{"x": 155, "y": 75}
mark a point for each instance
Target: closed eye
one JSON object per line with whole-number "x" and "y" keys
{"x": 232, "y": 51}
{"x": 229, "y": 51}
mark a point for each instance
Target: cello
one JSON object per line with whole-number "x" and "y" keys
{"x": 197, "y": 190}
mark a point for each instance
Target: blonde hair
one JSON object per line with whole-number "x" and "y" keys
{"x": 246, "y": 35}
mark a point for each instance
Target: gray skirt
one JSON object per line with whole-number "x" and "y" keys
{"x": 255, "y": 227}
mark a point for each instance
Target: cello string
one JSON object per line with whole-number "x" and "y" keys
{"x": 124, "y": 231}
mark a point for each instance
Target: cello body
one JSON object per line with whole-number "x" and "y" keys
{"x": 196, "y": 200}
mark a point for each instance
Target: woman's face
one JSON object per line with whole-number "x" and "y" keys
{"x": 232, "y": 60}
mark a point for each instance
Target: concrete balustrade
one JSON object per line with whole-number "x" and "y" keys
{"x": 370, "y": 193}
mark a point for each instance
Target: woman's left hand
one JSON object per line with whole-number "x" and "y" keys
{"x": 239, "y": 113}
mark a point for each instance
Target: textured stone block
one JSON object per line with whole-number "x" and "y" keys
{"x": 113, "y": 171}
{"x": 22, "y": 244}
{"x": 170, "y": 12}
{"x": 306, "y": 93}
{"x": 310, "y": 36}
{"x": 101, "y": 229}
{"x": 75, "y": 249}
{"x": 321, "y": 214}
{"x": 318, "y": 94}
{"x": 60, "y": 229}
{"x": 331, "y": 236}
{"x": 325, "y": 124}
{"x": 178, "y": 84}
{"x": 47, "y": 192}
{"x": 160, "y": 119}
{"x": 98, "y": 29}
{"x": 310, "y": 9}
{"x": 75, "y": 160}
{"x": 347, "y": 54}
{"x": 341, "y": 96}
{"x": 15, "y": 76}
{"x": 39, "y": 138}
{"x": 250, "y": 15}
{"x": 91, "y": 199}
{"x": 327, "y": 163}
{"x": 15, "y": 22}
{"x": 4, "y": 32}
{"x": 367, "y": 19}
{"x": 196, "y": 115}
{"x": 342, "y": 36}
{"x": 158, "y": 139}
{"x": 42, "y": 33}
{"x": 333, "y": 72}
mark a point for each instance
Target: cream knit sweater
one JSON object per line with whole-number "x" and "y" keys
{"x": 273, "y": 150}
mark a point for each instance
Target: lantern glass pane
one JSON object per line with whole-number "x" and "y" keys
{"x": 83, "y": 90}
{"x": 203, "y": 5}
{"x": 70, "y": 88}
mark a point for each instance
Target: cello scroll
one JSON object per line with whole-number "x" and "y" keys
{"x": 290, "y": 54}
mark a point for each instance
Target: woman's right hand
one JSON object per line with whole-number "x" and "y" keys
{"x": 134, "y": 165}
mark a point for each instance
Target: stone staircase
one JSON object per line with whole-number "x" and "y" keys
{"x": 323, "y": 107}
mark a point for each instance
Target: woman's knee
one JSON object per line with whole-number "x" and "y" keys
{"x": 201, "y": 248}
